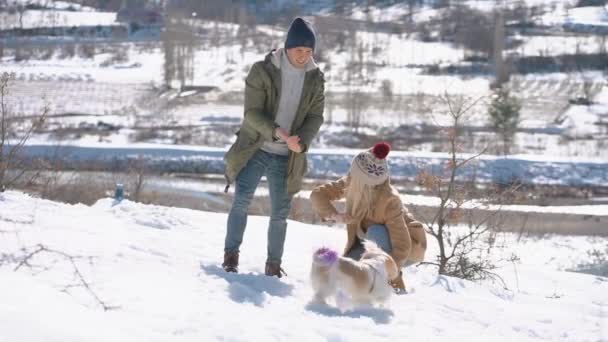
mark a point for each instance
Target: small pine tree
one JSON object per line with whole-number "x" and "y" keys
{"x": 504, "y": 116}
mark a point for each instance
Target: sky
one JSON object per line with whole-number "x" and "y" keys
{"x": 158, "y": 271}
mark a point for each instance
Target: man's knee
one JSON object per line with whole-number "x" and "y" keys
{"x": 280, "y": 210}
{"x": 241, "y": 201}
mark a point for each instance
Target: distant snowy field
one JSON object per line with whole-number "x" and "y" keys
{"x": 114, "y": 92}
{"x": 158, "y": 269}
{"x": 103, "y": 91}
{"x": 57, "y": 18}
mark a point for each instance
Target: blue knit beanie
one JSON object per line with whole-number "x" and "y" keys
{"x": 300, "y": 33}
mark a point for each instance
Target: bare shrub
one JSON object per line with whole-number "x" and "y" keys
{"x": 15, "y": 131}
{"x": 86, "y": 51}
{"x": 24, "y": 259}
{"x": 146, "y": 134}
{"x": 76, "y": 187}
{"x": 137, "y": 171}
{"x": 464, "y": 225}
{"x": 386, "y": 89}
{"x": 67, "y": 50}
{"x": 23, "y": 53}
{"x": 46, "y": 52}
{"x": 597, "y": 264}
{"x": 118, "y": 56}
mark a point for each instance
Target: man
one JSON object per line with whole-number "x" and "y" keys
{"x": 284, "y": 102}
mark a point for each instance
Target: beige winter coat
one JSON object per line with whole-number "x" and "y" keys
{"x": 407, "y": 236}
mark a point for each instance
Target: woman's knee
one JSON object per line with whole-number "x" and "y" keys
{"x": 379, "y": 234}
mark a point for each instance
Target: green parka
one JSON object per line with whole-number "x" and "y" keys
{"x": 262, "y": 94}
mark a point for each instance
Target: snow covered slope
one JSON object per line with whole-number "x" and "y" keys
{"x": 157, "y": 269}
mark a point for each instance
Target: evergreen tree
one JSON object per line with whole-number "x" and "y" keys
{"x": 504, "y": 116}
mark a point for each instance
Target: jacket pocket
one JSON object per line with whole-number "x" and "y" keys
{"x": 245, "y": 140}
{"x": 297, "y": 165}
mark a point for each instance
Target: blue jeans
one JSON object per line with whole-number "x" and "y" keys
{"x": 274, "y": 166}
{"x": 378, "y": 234}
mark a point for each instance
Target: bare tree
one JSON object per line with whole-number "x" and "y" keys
{"x": 587, "y": 89}
{"x": 21, "y": 8}
{"x": 500, "y": 71}
{"x": 356, "y": 75}
{"x": 464, "y": 249}
{"x": 386, "y": 89}
{"x": 584, "y": 88}
{"x": 178, "y": 41}
{"x": 469, "y": 28}
{"x": 411, "y": 5}
{"x": 137, "y": 172}
{"x": 15, "y": 131}
{"x": 441, "y": 4}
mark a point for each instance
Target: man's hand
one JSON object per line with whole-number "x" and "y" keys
{"x": 340, "y": 218}
{"x": 293, "y": 143}
{"x": 281, "y": 133}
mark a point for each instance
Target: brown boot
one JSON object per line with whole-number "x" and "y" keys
{"x": 274, "y": 269}
{"x": 231, "y": 262}
{"x": 398, "y": 284}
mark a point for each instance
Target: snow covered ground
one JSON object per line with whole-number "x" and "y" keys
{"x": 584, "y": 121}
{"x": 157, "y": 269}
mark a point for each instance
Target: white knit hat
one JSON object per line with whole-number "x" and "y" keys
{"x": 371, "y": 167}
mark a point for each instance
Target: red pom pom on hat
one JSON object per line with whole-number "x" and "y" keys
{"x": 381, "y": 150}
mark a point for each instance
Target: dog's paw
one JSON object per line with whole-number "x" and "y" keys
{"x": 343, "y": 301}
{"x": 318, "y": 300}
{"x": 404, "y": 291}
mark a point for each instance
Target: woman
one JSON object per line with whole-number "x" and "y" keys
{"x": 374, "y": 211}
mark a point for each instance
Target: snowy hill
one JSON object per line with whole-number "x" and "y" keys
{"x": 157, "y": 270}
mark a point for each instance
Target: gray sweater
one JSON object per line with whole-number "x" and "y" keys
{"x": 292, "y": 80}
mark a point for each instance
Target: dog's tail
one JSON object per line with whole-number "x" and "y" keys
{"x": 325, "y": 256}
{"x": 370, "y": 246}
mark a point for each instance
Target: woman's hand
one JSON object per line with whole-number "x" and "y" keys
{"x": 340, "y": 218}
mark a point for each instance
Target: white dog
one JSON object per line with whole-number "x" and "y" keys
{"x": 364, "y": 282}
